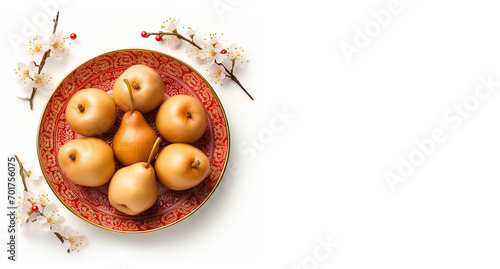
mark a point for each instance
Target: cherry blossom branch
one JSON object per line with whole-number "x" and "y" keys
{"x": 42, "y": 63}
{"x": 31, "y": 74}
{"x": 173, "y": 32}
{"x": 25, "y": 173}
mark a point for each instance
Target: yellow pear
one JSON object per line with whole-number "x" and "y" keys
{"x": 133, "y": 189}
{"x": 134, "y": 138}
{"x": 181, "y": 166}
{"x": 181, "y": 119}
{"x": 87, "y": 161}
{"x": 91, "y": 112}
{"x": 148, "y": 88}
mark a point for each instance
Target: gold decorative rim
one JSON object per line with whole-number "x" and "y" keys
{"x": 226, "y": 157}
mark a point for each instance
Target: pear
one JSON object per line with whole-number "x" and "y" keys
{"x": 134, "y": 138}
{"x": 133, "y": 189}
{"x": 181, "y": 166}
{"x": 91, "y": 112}
{"x": 181, "y": 119}
{"x": 148, "y": 88}
{"x": 87, "y": 161}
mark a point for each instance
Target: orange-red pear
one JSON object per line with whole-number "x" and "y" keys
{"x": 134, "y": 138}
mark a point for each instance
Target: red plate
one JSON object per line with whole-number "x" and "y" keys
{"x": 91, "y": 204}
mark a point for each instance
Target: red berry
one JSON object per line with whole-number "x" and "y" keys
{"x": 159, "y": 38}
{"x": 72, "y": 36}
{"x": 223, "y": 51}
{"x": 144, "y": 33}
{"x": 34, "y": 208}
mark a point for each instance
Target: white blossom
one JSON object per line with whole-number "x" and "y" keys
{"x": 72, "y": 239}
{"x": 210, "y": 52}
{"x": 25, "y": 208}
{"x": 191, "y": 33}
{"x": 216, "y": 73}
{"x": 57, "y": 45}
{"x": 235, "y": 56}
{"x": 34, "y": 173}
{"x": 193, "y": 52}
{"x": 36, "y": 47}
{"x": 25, "y": 73}
{"x": 41, "y": 81}
{"x": 170, "y": 26}
{"x": 50, "y": 219}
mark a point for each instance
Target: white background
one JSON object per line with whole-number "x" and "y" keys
{"x": 320, "y": 176}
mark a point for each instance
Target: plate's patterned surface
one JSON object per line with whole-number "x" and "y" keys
{"x": 91, "y": 204}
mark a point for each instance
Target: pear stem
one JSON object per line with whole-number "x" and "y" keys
{"x": 196, "y": 164}
{"x": 155, "y": 146}
{"x": 80, "y": 107}
{"x": 136, "y": 86}
{"x": 188, "y": 114}
{"x": 131, "y": 96}
{"x": 71, "y": 156}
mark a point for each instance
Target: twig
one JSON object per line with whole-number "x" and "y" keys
{"x": 42, "y": 62}
{"x": 61, "y": 238}
{"x": 22, "y": 171}
{"x": 55, "y": 23}
{"x": 231, "y": 75}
